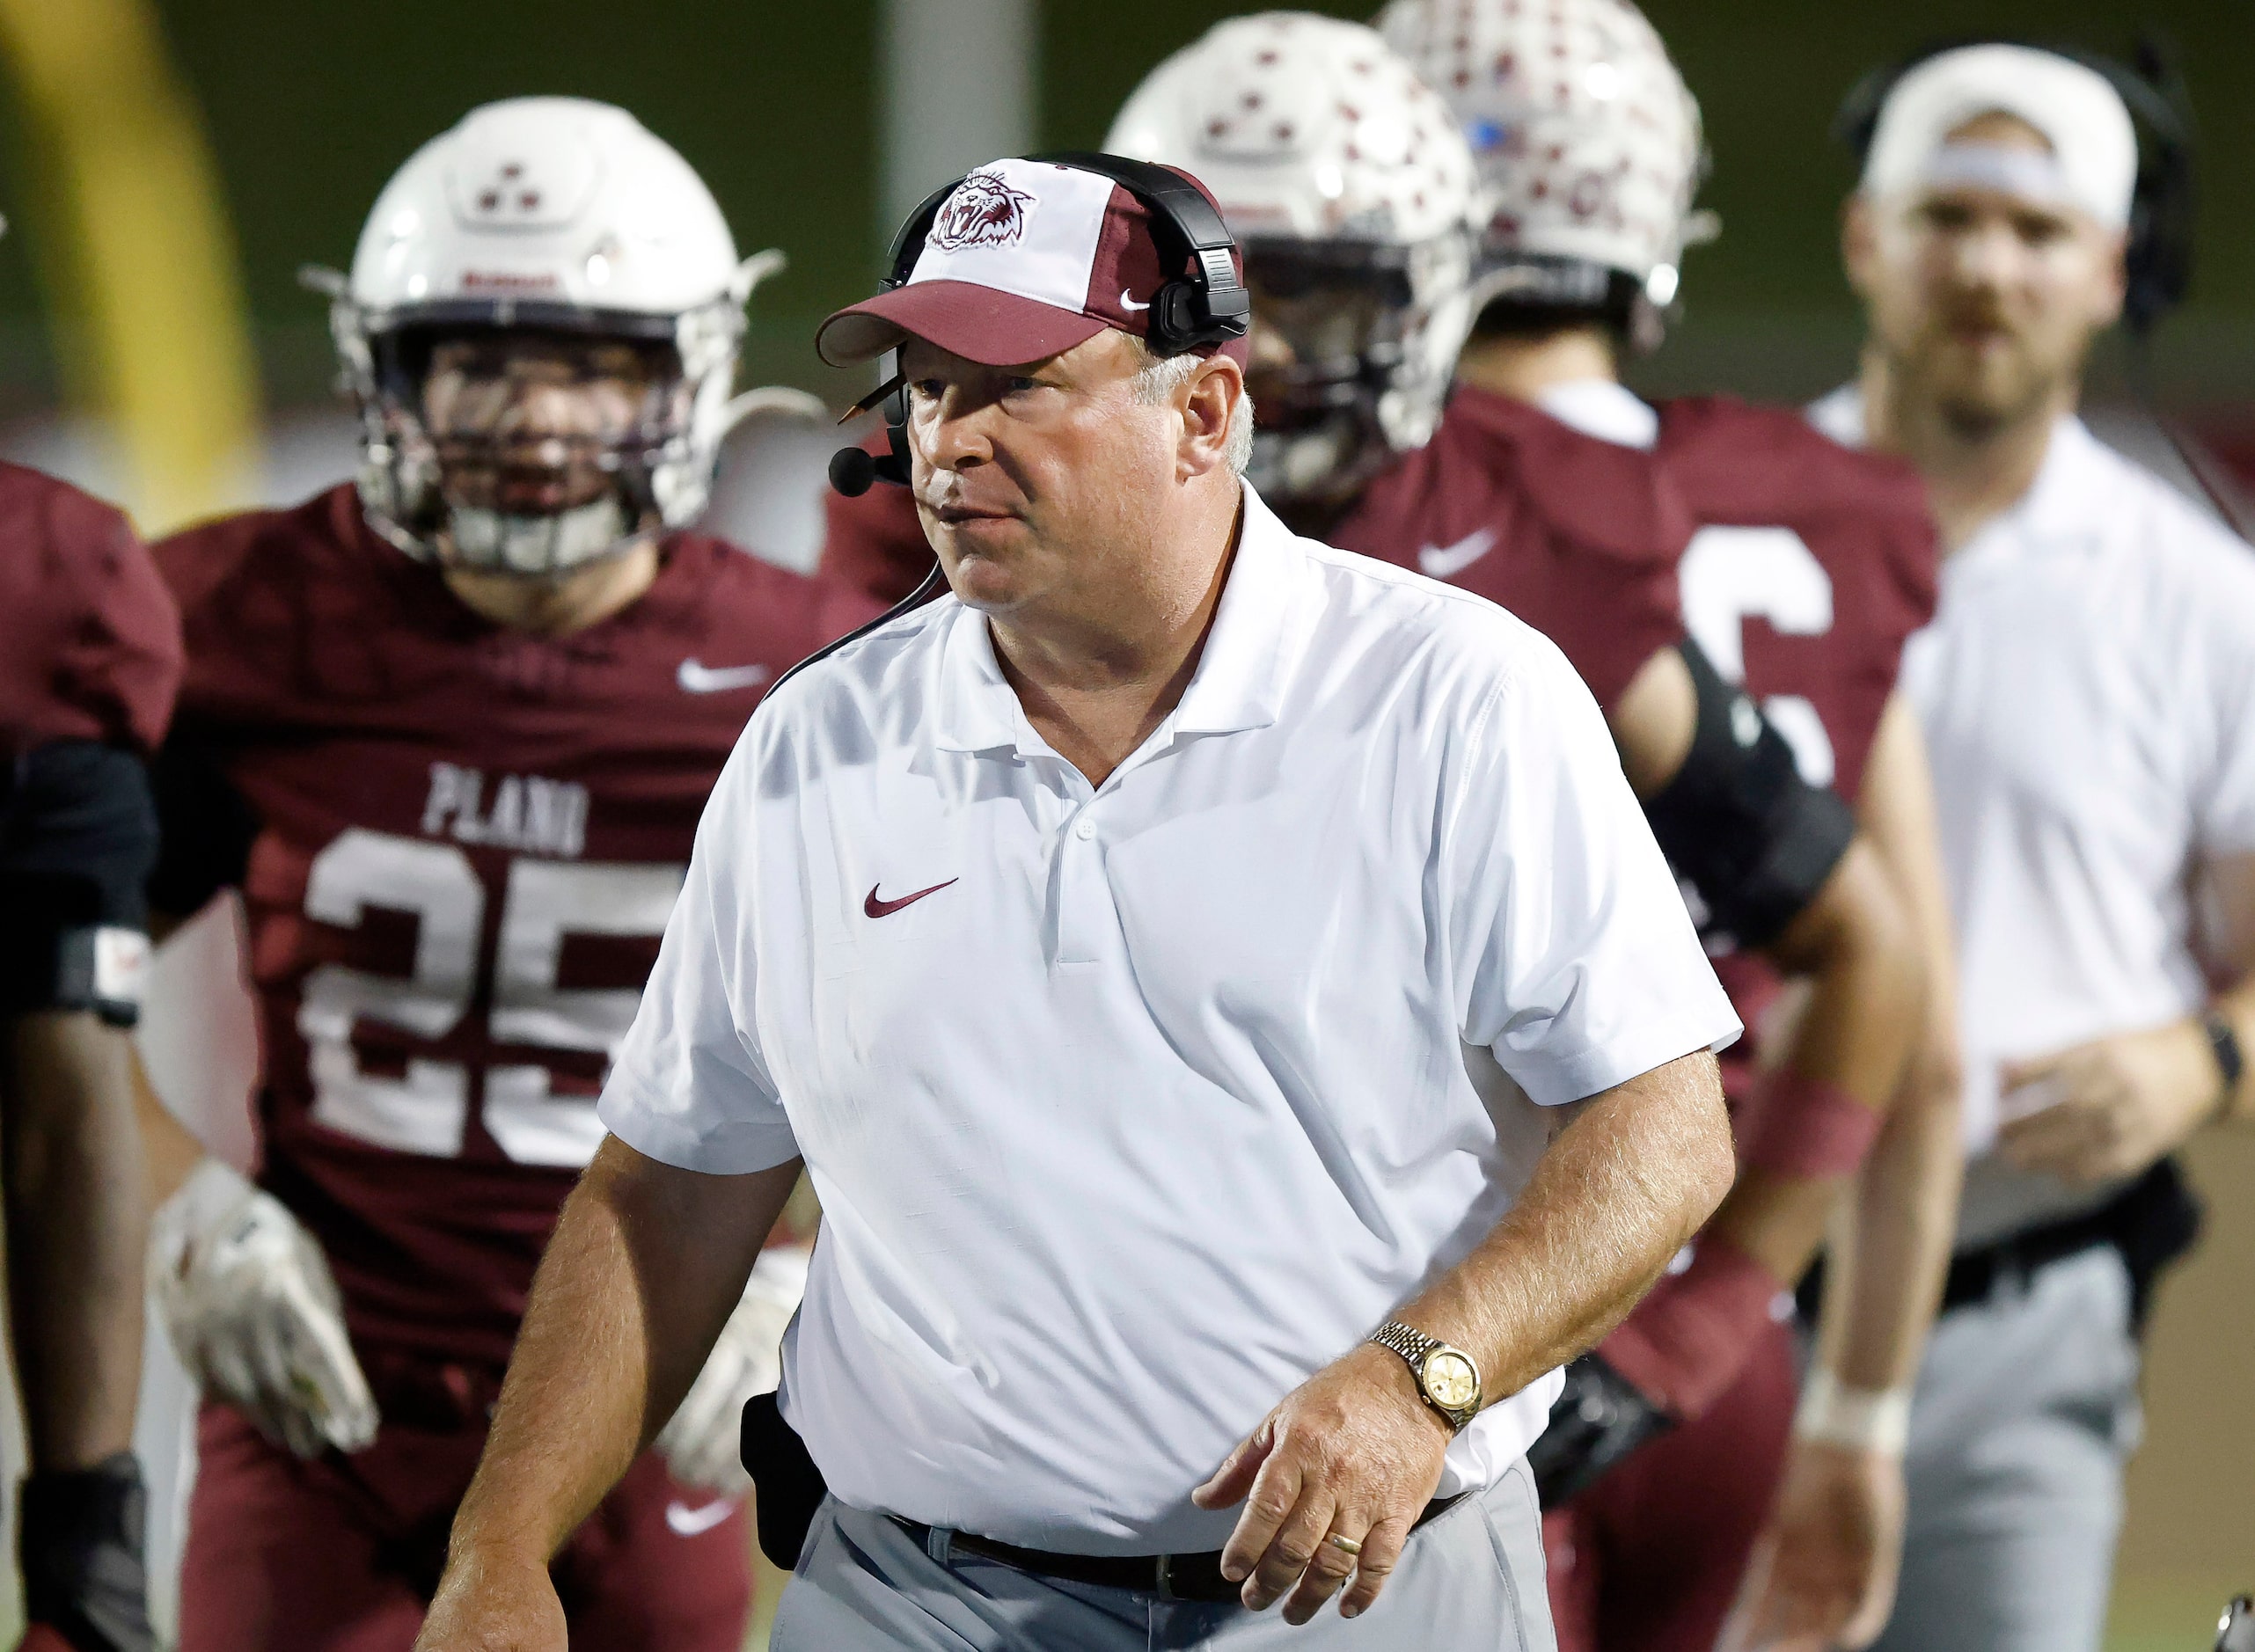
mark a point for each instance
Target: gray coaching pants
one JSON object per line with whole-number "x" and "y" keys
{"x": 2026, "y": 1412}
{"x": 1470, "y": 1579}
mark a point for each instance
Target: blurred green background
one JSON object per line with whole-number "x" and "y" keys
{"x": 309, "y": 107}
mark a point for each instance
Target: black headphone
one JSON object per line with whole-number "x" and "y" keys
{"x": 2159, "y": 256}
{"x": 1209, "y": 306}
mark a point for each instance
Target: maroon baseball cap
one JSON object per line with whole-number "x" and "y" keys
{"x": 1024, "y": 259}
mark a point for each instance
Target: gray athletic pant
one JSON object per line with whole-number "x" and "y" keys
{"x": 2026, "y": 1412}
{"x": 1470, "y": 1579}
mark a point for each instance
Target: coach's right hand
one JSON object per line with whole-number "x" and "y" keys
{"x": 1332, "y": 1481}
{"x": 253, "y": 1314}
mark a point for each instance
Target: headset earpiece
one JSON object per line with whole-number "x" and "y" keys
{"x": 1208, "y": 306}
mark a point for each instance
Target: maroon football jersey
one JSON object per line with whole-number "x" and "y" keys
{"x": 875, "y": 543}
{"x": 459, "y": 846}
{"x": 1811, "y": 566}
{"x": 90, "y": 644}
{"x": 1576, "y": 536}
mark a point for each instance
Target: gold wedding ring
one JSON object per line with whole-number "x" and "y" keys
{"x": 1345, "y": 1545}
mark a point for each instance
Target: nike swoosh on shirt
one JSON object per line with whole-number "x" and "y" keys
{"x": 1127, "y": 300}
{"x": 1438, "y": 562}
{"x": 685, "y": 1522}
{"x": 873, "y": 908}
{"x": 696, "y": 677}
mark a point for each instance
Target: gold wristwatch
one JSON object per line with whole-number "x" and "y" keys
{"x": 1448, "y": 1377}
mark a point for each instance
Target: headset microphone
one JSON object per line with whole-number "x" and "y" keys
{"x": 854, "y": 471}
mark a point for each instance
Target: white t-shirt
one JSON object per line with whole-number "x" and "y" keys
{"x": 1130, "y": 1110}
{"x": 2088, "y": 691}
{"x": 1604, "y": 408}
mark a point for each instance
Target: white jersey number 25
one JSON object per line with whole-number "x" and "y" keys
{"x": 426, "y": 1110}
{"x": 1730, "y": 575}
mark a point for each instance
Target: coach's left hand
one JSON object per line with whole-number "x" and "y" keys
{"x": 1824, "y": 1574}
{"x": 2123, "y": 1102}
{"x": 1353, "y": 1452}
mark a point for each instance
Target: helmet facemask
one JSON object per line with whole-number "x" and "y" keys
{"x": 519, "y": 450}
{"x": 1350, "y": 352}
{"x": 652, "y": 396}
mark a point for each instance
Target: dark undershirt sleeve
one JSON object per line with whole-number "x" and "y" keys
{"x": 208, "y": 828}
{"x": 77, "y": 837}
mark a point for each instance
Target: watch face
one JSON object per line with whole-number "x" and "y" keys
{"x": 1450, "y": 1379}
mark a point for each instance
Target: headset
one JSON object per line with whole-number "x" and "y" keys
{"x": 2158, "y": 260}
{"x": 1208, "y": 306}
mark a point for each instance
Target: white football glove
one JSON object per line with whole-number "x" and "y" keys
{"x": 253, "y": 1314}
{"x": 701, "y": 1444}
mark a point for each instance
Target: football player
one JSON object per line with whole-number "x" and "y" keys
{"x": 90, "y": 659}
{"x": 448, "y": 732}
{"x": 1366, "y": 270}
{"x": 1805, "y": 569}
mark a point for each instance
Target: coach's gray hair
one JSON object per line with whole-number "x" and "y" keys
{"x": 1161, "y": 376}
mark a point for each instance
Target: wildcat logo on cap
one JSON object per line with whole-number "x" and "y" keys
{"x": 983, "y": 211}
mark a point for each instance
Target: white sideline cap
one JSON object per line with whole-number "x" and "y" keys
{"x": 2093, "y": 162}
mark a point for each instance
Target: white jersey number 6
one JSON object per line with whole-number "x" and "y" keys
{"x": 1731, "y": 574}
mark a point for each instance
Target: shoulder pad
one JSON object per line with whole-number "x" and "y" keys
{"x": 1605, "y": 497}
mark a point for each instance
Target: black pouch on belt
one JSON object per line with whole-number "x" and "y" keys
{"x": 788, "y": 1486}
{"x": 2154, "y": 1222}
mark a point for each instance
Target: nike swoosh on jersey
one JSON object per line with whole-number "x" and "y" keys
{"x": 872, "y": 907}
{"x": 1127, "y": 300}
{"x": 685, "y": 1522}
{"x": 1438, "y": 562}
{"x": 696, "y": 677}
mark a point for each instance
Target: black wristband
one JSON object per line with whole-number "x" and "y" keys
{"x": 2231, "y": 1060}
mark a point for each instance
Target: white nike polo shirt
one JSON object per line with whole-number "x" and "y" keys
{"x": 1131, "y": 1109}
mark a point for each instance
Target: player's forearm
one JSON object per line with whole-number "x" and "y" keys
{"x": 77, "y": 1232}
{"x": 1893, "y": 1242}
{"x": 1859, "y": 949}
{"x": 646, "y": 1263}
{"x": 169, "y": 1151}
{"x": 1617, "y": 1194}
{"x": 1884, "y": 1272}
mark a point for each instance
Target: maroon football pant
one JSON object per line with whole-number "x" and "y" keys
{"x": 341, "y": 1554}
{"x": 1648, "y": 1559}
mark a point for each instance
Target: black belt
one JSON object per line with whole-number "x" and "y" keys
{"x": 2152, "y": 1222}
{"x": 1169, "y": 1576}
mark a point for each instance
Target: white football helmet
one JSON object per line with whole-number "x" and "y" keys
{"x": 562, "y": 216}
{"x": 1588, "y": 143}
{"x": 1356, "y": 201}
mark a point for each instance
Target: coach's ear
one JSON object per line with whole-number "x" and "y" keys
{"x": 1209, "y": 401}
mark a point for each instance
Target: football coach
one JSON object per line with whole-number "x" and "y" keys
{"x": 1241, "y": 1029}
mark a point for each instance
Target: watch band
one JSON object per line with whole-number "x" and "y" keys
{"x": 1412, "y": 1344}
{"x": 2231, "y": 1060}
